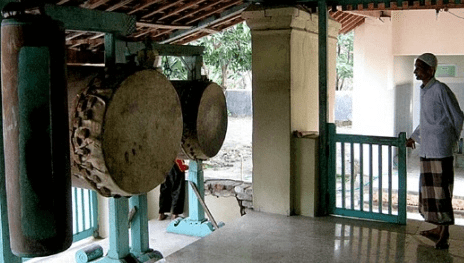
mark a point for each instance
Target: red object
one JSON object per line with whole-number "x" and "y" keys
{"x": 181, "y": 164}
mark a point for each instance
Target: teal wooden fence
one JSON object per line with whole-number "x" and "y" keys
{"x": 367, "y": 176}
{"x": 85, "y": 213}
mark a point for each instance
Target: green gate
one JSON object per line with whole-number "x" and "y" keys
{"x": 367, "y": 176}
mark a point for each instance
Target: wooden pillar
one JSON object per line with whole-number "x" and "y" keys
{"x": 285, "y": 97}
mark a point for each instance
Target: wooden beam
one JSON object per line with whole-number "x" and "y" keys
{"x": 208, "y": 22}
{"x": 92, "y": 4}
{"x": 153, "y": 25}
{"x": 119, "y": 5}
{"x": 98, "y": 36}
{"x": 161, "y": 33}
{"x": 196, "y": 11}
{"x": 86, "y": 41}
{"x": 142, "y": 33}
{"x": 74, "y": 35}
{"x": 180, "y": 9}
{"x": 351, "y": 25}
{"x": 158, "y": 10}
{"x": 209, "y": 30}
{"x": 143, "y": 5}
{"x": 62, "y": 2}
{"x": 216, "y": 10}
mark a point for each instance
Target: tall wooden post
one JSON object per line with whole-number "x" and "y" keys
{"x": 323, "y": 160}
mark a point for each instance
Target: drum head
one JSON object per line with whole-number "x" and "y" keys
{"x": 142, "y": 131}
{"x": 212, "y": 120}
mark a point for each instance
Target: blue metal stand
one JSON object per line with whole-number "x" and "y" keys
{"x": 196, "y": 224}
{"x": 119, "y": 250}
{"x": 139, "y": 231}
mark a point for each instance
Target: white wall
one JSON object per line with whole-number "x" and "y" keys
{"x": 384, "y": 54}
{"x": 373, "y": 79}
{"x": 419, "y": 31}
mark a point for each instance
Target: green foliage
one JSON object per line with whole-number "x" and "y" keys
{"x": 344, "y": 59}
{"x": 226, "y": 58}
{"x": 173, "y": 68}
{"x": 227, "y": 54}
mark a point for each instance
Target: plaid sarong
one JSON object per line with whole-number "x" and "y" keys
{"x": 436, "y": 190}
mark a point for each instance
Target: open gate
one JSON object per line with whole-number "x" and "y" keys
{"x": 367, "y": 176}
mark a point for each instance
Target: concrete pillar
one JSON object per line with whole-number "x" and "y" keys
{"x": 285, "y": 96}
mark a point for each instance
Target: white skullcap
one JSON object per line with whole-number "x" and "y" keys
{"x": 429, "y": 59}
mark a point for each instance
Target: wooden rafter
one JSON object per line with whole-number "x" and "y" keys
{"x": 216, "y": 10}
{"x": 181, "y": 8}
{"x": 74, "y": 35}
{"x": 99, "y": 35}
{"x": 92, "y": 4}
{"x": 143, "y": 5}
{"x": 161, "y": 33}
{"x": 119, "y": 5}
{"x": 159, "y": 10}
{"x": 143, "y": 32}
{"x": 87, "y": 41}
{"x": 165, "y": 26}
{"x": 202, "y": 8}
{"x": 352, "y": 26}
{"x": 62, "y": 2}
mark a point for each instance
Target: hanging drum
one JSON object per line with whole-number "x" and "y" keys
{"x": 204, "y": 111}
{"x": 126, "y": 132}
{"x": 35, "y": 129}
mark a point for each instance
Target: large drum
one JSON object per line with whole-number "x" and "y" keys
{"x": 204, "y": 111}
{"x": 126, "y": 132}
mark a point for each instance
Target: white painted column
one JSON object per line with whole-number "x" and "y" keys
{"x": 285, "y": 97}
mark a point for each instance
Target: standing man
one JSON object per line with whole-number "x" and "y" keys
{"x": 172, "y": 191}
{"x": 438, "y": 132}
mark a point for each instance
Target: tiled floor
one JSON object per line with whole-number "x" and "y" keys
{"x": 164, "y": 242}
{"x": 260, "y": 237}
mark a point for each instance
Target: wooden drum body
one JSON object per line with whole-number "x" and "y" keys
{"x": 126, "y": 132}
{"x": 204, "y": 112}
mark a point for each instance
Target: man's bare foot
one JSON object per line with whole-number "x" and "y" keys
{"x": 432, "y": 233}
{"x": 174, "y": 216}
{"x": 162, "y": 217}
{"x": 443, "y": 240}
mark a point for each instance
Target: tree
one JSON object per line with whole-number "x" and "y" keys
{"x": 344, "y": 59}
{"x": 173, "y": 68}
{"x": 227, "y": 56}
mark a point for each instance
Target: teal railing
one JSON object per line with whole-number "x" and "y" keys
{"x": 85, "y": 213}
{"x": 367, "y": 176}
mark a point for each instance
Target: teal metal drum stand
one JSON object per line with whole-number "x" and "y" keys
{"x": 196, "y": 224}
{"x": 119, "y": 250}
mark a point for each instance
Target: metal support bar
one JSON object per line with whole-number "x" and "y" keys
{"x": 195, "y": 224}
{"x": 203, "y": 204}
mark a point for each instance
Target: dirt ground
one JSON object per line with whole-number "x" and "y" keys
{"x": 233, "y": 161}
